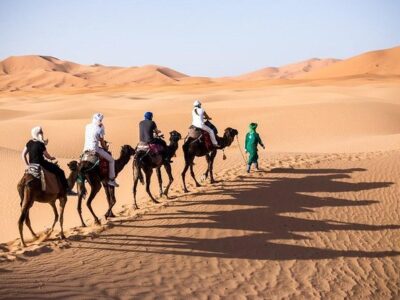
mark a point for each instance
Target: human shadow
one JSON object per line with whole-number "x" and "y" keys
{"x": 252, "y": 212}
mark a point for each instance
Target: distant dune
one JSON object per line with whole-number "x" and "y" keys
{"x": 33, "y": 71}
{"x": 288, "y": 71}
{"x": 47, "y": 72}
{"x": 381, "y": 62}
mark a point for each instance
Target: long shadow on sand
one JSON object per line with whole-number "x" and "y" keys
{"x": 252, "y": 210}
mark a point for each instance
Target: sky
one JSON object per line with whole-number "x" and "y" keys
{"x": 197, "y": 37}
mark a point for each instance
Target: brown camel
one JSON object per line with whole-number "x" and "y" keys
{"x": 30, "y": 190}
{"x": 196, "y": 147}
{"x": 90, "y": 172}
{"x": 144, "y": 161}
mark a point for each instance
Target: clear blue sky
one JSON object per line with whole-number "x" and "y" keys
{"x": 197, "y": 37}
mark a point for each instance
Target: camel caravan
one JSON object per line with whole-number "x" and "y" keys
{"x": 44, "y": 181}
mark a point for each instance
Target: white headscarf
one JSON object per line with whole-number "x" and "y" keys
{"x": 97, "y": 118}
{"x": 37, "y": 135}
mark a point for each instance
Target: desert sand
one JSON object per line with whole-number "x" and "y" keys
{"x": 319, "y": 220}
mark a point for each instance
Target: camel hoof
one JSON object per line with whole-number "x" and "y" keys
{"x": 83, "y": 225}
{"x": 97, "y": 222}
{"x": 23, "y": 245}
{"x": 198, "y": 185}
{"x": 186, "y": 191}
{"x": 135, "y": 207}
{"x": 155, "y": 201}
{"x": 62, "y": 236}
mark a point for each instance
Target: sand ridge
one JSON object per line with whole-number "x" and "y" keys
{"x": 38, "y": 72}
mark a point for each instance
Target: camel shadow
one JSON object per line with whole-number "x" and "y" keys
{"x": 252, "y": 219}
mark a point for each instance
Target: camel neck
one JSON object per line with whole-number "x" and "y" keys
{"x": 120, "y": 163}
{"x": 172, "y": 147}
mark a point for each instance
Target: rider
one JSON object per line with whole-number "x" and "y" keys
{"x": 200, "y": 117}
{"x": 94, "y": 133}
{"x": 251, "y": 143}
{"x": 149, "y": 133}
{"x": 36, "y": 151}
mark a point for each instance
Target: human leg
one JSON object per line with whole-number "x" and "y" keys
{"x": 211, "y": 133}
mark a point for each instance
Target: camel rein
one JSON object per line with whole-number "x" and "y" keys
{"x": 240, "y": 148}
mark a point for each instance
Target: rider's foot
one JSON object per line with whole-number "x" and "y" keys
{"x": 113, "y": 183}
{"x": 217, "y": 146}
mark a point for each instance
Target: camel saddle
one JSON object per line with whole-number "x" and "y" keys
{"x": 49, "y": 181}
{"x": 92, "y": 157}
{"x": 152, "y": 149}
{"x": 201, "y": 135}
{"x": 143, "y": 149}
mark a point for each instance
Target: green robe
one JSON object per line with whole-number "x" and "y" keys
{"x": 251, "y": 143}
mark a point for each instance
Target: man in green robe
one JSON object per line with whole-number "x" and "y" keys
{"x": 251, "y": 143}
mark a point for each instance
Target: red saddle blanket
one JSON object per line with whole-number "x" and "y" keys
{"x": 155, "y": 149}
{"x": 103, "y": 166}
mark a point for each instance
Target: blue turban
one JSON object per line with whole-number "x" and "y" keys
{"x": 148, "y": 116}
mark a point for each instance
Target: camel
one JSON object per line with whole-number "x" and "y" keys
{"x": 90, "y": 172}
{"x": 30, "y": 190}
{"x": 196, "y": 147}
{"x": 148, "y": 162}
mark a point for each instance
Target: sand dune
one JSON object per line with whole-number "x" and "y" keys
{"x": 33, "y": 72}
{"x": 45, "y": 72}
{"x": 288, "y": 71}
{"x": 319, "y": 221}
{"x": 382, "y": 62}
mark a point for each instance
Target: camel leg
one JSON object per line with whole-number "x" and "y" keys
{"x": 96, "y": 186}
{"x": 184, "y": 177}
{"x": 193, "y": 176}
{"x": 53, "y": 205}
{"x": 107, "y": 191}
{"x": 168, "y": 169}
{"x": 135, "y": 183}
{"x": 111, "y": 202}
{"x": 211, "y": 166}
{"x": 63, "y": 202}
{"x": 28, "y": 223}
{"x": 149, "y": 172}
{"x": 81, "y": 193}
{"x": 205, "y": 175}
{"x": 158, "y": 172}
{"x": 24, "y": 211}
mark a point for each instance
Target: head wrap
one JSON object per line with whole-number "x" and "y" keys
{"x": 197, "y": 103}
{"x": 253, "y": 127}
{"x": 37, "y": 134}
{"x": 97, "y": 118}
{"x": 148, "y": 116}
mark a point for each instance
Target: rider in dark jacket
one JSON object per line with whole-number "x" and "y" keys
{"x": 35, "y": 152}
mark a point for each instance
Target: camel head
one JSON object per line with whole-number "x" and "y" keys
{"x": 127, "y": 151}
{"x": 229, "y": 135}
{"x": 174, "y": 136}
{"x": 73, "y": 165}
